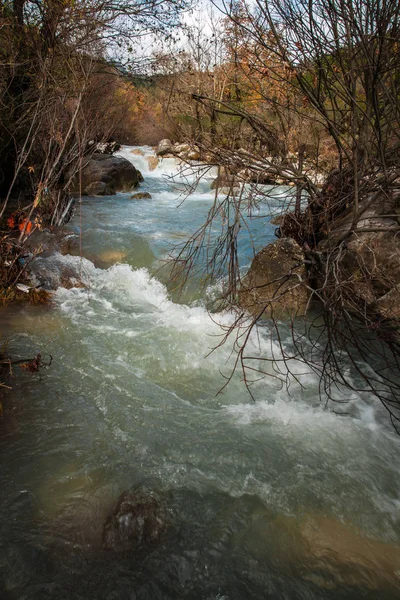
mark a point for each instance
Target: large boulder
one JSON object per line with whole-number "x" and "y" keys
{"x": 275, "y": 284}
{"x": 164, "y": 147}
{"x": 105, "y": 174}
{"x": 369, "y": 261}
{"x": 98, "y": 188}
{"x": 137, "y": 523}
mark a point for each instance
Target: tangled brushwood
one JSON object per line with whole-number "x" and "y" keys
{"x": 323, "y": 76}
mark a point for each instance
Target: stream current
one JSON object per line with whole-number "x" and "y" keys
{"x": 276, "y": 498}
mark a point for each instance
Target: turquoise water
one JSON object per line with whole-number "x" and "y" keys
{"x": 272, "y": 498}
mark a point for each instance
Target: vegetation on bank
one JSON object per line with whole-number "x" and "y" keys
{"x": 60, "y": 96}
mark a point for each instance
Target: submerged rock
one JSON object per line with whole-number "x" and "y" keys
{"x": 141, "y": 196}
{"x": 137, "y": 523}
{"x": 107, "y": 258}
{"x": 152, "y": 161}
{"x": 322, "y": 551}
{"x": 275, "y": 283}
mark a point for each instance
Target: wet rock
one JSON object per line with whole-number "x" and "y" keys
{"x": 164, "y": 147}
{"x": 64, "y": 276}
{"x": 141, "y": 196}
{"x": 51, "y": 272}
{"x": 224, "y": 180}
{"x": 105, "y": 147}
{"x": 107, "y": 258}
{"x": 186, "y": 151}
{"x": 97, "y": 188}
{"x": 193, "y": 154}
{"x": 152, "y": 161}
{"x": 181, "y": 148}
{"x": 273, "y": 283}
{"x": 110, "y": 174}
{"x": 137, "y": 523}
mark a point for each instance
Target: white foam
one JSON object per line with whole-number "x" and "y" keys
{"x": 169, "y": 167}
{"x": 165, "y": 167}
{"x": 135, "y": 285}
{"x": 184, "y": 335}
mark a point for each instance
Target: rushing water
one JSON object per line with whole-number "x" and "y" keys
{"x": 276, "y": 498}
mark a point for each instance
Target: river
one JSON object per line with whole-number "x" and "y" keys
{"x": 277, "y": 497}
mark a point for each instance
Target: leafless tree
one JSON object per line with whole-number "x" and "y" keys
{"x": 56, "y": 59}
{"x": 332, "y": 66}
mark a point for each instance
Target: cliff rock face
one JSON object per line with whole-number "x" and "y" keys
{"x": 106, "y": 175}
{"x": 274, "y": 284}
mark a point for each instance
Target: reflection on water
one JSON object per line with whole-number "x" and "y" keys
{"x": 276, "y": 498}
